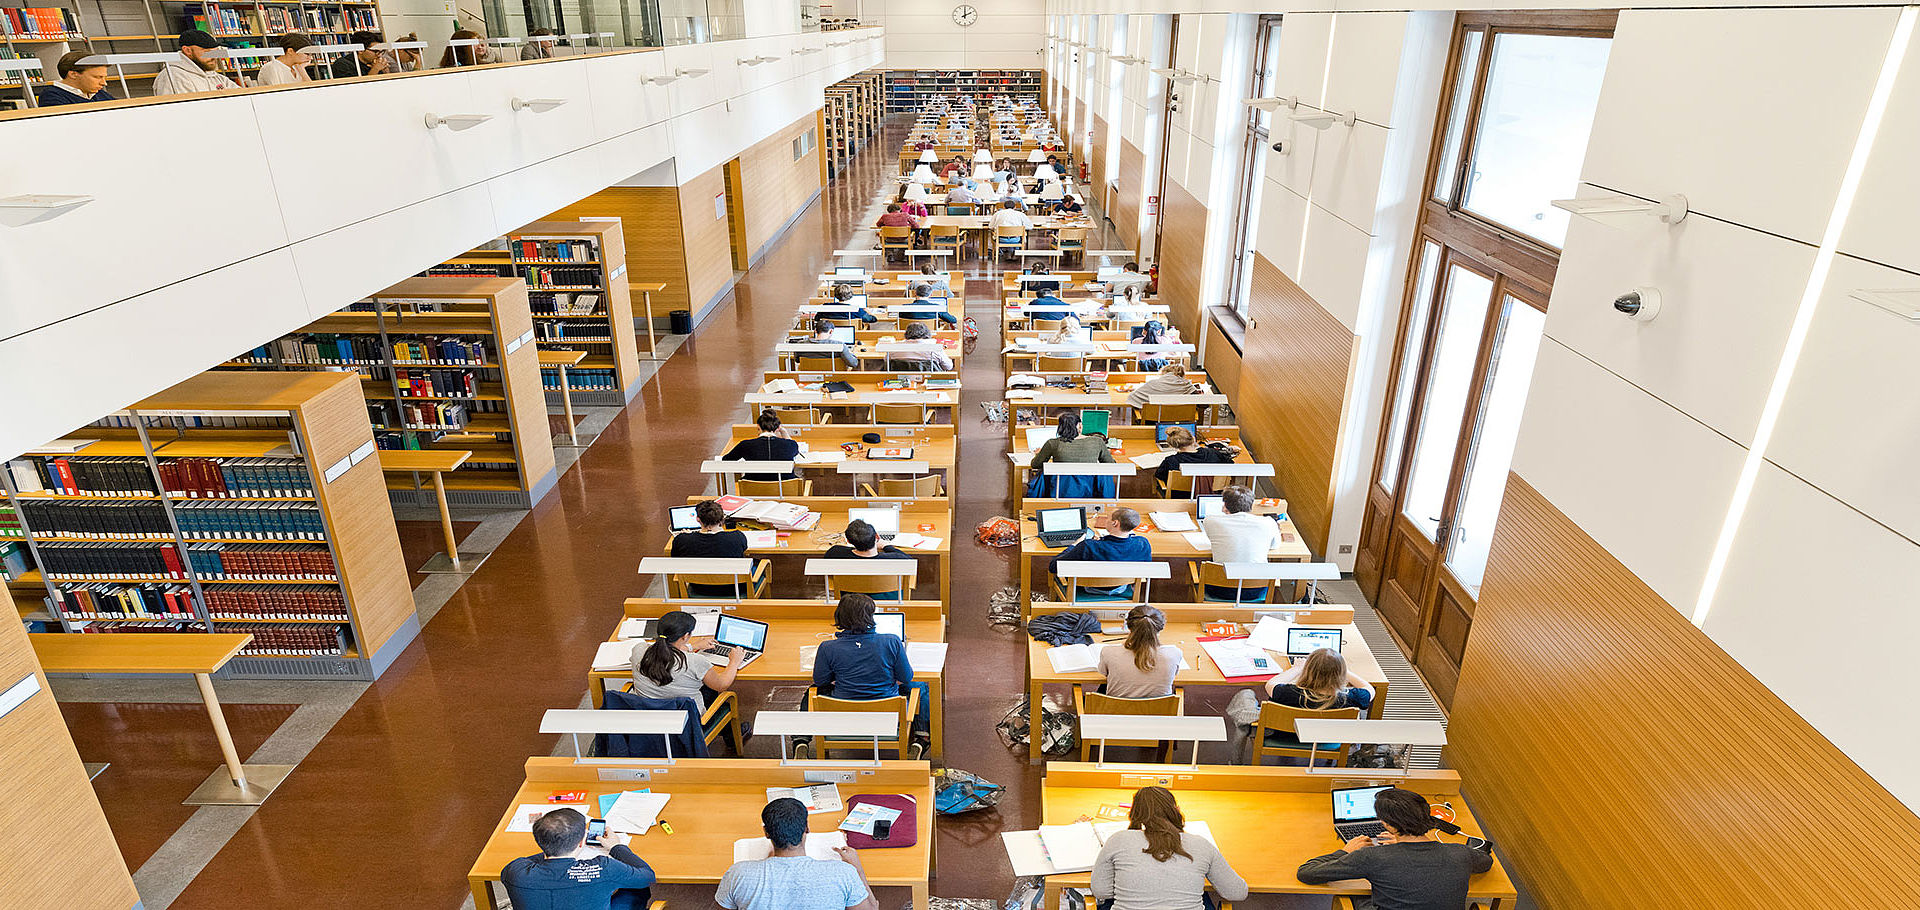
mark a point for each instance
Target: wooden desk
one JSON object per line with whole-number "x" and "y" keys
{"x": 934, "y": 399}
{"x": 1166, "y": 544}
{"x": 561, "y": 360}
{"x": 1266, "y": 821}
{"x": 198, "y": 655}
{"x": 794, "y": 624}
{"x": 1185, "y": 623}
{"x": 436, "y": 462}
{"x": 935, "y": 444}
{"x": 1113, "y": 399}
{"x": 646, "y": 303}
{"x": 833, "y": 521}
{"x": 1135, "y": 441}
{"x": 715, "y": 802}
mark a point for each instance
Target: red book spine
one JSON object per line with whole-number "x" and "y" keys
{"x": 171, "y": 556}
{"x": 65, "y": 472}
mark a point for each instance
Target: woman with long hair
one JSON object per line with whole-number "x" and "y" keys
{"x": 470, "y": 55}
{"x": 1319, "y": 683}
{"x": 1142, "y": 667}
{"x": 1156, "y": 865}
{"x": 675, "y": 664}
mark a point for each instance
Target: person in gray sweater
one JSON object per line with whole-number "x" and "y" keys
{"x": 1156, "y": 865}
{"x": 1409, "y": 867}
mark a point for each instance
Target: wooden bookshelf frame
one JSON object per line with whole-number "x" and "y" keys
{"x": 910, "y": 89}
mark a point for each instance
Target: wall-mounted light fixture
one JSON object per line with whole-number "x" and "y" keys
{"x": 456, "y": 122}
{"x": 1671, "y": 210}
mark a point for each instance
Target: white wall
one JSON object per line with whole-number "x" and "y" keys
{"x": 1007, "y": 34}
{"x": 311, "y": 219}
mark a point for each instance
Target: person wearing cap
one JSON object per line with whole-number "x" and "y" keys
{"x": 192, "y": 71}
{"x": 364, "y": 62}
{"x": 77, "y": 84}
{"x": 290, "y": 68}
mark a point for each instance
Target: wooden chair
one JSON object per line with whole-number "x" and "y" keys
{"x": 756, "y": 585}
{"x": 800, "y": 416}
{"x": 907, "y": 707}
{"x": 1203, "y": 574}
{"x": 916, "y": 487}
{"x": 1126, "y": 325}
{"x": 1045, "y": 325}
{"x": 804, "y": 363}
{"x": 1176, "y": 482}
{"x": 910, "y": 414}
{"x": 933, "y": 325}
{"x": 1167, "y": 413}
{"x": 1063, "y": 363}
{"x": 1273, "y": 733}
{"x": 722, "y": 718}
{"x": 1072, "y": 242}
{"x": 901, "y": 586}
{"x": 792, "y": 486}
{"x": 1085, "y": 703}
{"x": 946, "y": 237}
{"x": 895, "y": 239}
{"x": 1009, "y": 237}
{"x": 1137, "y": 586}
{"x": 1343, "y": 902}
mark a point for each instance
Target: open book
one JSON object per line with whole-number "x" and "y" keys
{"x": 819, "y": 846}
{"x": 1056, "y": 849}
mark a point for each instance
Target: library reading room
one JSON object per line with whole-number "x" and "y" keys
{"x": 958, "y": 454}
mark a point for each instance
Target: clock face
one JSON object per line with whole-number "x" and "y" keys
{"x": 964, "y": 15}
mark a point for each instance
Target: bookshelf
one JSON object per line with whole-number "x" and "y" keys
{"x": 579, "y": 296}
{"x": 443, "y": 363}
{"x": 35, "y": 32}
{"x": 228, "y": 503}
{"x": 909, "y": 89}
{"x": 851, "y": 116}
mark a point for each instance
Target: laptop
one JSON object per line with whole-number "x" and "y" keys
{"x": 1209, "y": 505}
{"x": 1106, "y": 273}
{"x": 894, "y": 624}
{"x": 849, "y": 274}
{"x": 1160, "y": 432}
{"x": 749, "y": 635}
{"x": 682, "y": 518}
{"x": 886, "y": 522}
{"x": 857, "y": 301}
{"x": 1061, "y": 527}
{"x": 1353, "y": 812}
{"x": 1303, "y": 640}
{"x": 1092, "y": 421}
{"x": 842, "y": 335}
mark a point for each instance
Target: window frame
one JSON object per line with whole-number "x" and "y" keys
{"x": 1254, "y": 135}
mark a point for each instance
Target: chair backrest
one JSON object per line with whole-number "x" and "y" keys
{"x": 910, "y": 486}
{"x": 1010, "y": 234}
{"x": 900, "y": 413}
{"x": 959, "y": 208}
{"x": 802, "y": 416}
{"x": 688, "y": 743}
{"x": 815, "y": 365}
{"x": 1215, "y": 574}
{"x": 873, "y": 584}
{"x": 1126, "y": 325}
{"x": 682, "y": 579}
{"x": 1047, "y": 325}
{"x": 945, "y": 231}
{"x": 929, "y": 323}
{"x": 792, "y": 486}
{"x": 1069, "y": 363}
{"x": 896, "y": 704}
{"x": 1072, "y": 236}
{"x": 895, "y": 235}
{"x": 1170, "y": 413}
{"x": 1164, "y": 706}
{"x": 1276, "y": 716}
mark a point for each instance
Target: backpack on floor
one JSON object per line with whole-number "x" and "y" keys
{"x": 956, "y": 791}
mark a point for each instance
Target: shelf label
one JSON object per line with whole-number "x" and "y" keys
{"x": 360, "y": 454}
{"x": 18, "y": 693}
{"x": 339, "y": 468}
{"x": 513, "y": 345}
{"x": 526, "y": 336}
{"x": 622, "y": 270}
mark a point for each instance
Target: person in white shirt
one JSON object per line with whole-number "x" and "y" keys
{"x": 193, "y": 70}
{"x": 962, "y": 193}
{"x": 290, "y": 68}
{"x": 1011, "y": 214}
{"x": 1238, "y": 535}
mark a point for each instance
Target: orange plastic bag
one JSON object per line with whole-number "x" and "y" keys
{"x": 998, "y": 531}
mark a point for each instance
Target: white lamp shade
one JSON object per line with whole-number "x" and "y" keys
{"x": 928, "y": 156}
{"x": 923, "y": 174}
{"x": 1046, "y": 172}
{"x": 982, "y": 172}
{"x": 1036, "y": 156}
{"x": 982, "y": 156}
{"x": 916, "y": 191}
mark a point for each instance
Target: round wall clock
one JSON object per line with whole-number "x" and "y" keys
{"x": 964, "y": 15}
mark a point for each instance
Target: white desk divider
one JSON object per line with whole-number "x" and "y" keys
{"x": 348, "y": 48}
{"x": 912, "y": 253}
{"x": 1375, "y": 732}
{"x": 807, "y": 347}
{"x": 1313, "y": 573}
{"x": 839, "y": 724}
{"x": 1206, "y": 398}
{"x": 504, "y": 41}
{"x": 1190, "y": 469}
{"x": 1163, "y": 348}
{"x": 1193, "y": 728}
{"x": 248, "y": 53}
{"x": 1088, "y": 469}
{"x": 128, "y": 59}
{"x": 8, "y": 65}
{"x": 843, "y": 308}
{"x": 683, "y": 565}
{"x": 865, "y": 466}
{"x": 1033, "y": 279}
{"x": 786, "y": 398}
{"x": 851, "y": 253}
{"x": 463, "y": 42}
{"x": 908, "y": 397}
{"x": 401, "y": 46}
{"x": 908, "y": 347}
{"x": 1052, "y": 254}
{"x": 1058, "y": 398}
{"x": 904, "y": 569}
{"x": 575, "y": 721}
{"x": 1059, "y": 348}
{"x": 543, "y": 39}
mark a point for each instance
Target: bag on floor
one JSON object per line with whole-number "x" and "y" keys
{"x": 1056, "y": 727}
{"x": 956, "y": 791}
{"x": 998, "y": 531}
{"x": 969, "y": 329}
{"x": 1003, "y": 609}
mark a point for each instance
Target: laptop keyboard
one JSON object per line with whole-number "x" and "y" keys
{"x": 1351, "y": 830}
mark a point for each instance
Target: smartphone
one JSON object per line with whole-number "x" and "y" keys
{"x": 595, "y": 828}
{"x": 1481, "y": 844}
{"x": 882, "y": 830}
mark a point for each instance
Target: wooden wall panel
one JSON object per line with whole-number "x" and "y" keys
{"x": 1183, "y": 239}
{"x": 650, "y": 226}
{"x": 1293, "y": 382}
{"x": 776, "y": 184}
{"x": 46, "y": 802}
{"x": 706, "y": 253}
{"x": 1222, "y": 361}
{"x": 1097, "y": 166}
{"x": 1623, "y": 760}
{"x": 1129, "y": 193}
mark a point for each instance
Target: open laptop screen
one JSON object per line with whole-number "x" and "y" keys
{"x": 894, "y": 624}
{"x": 739, "y": 632}
{"x": 682, "y": 518}
{"x": 1355, "y": 804}
{"x": 886, "y": 522}
{"x": 1060, "y": 521}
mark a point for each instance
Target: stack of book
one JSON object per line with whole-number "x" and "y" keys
{"x": 553, "y": 251}
{"x": 276, "y": 602}
{"x": 75, "y": 476}
{"x": 62, "y": 560}
{"x": 235, "y": 478}
{"x": 271, "y": 640}
{"x": 113, "y": 520}
{"x": 436, "y": 383}
{"x": 260, "y": 562}
{"x": 171, "y": 603}
{"x": 785, "y": 516}
{"x": 40, "y": 22}
{"x": 250, "y": 520}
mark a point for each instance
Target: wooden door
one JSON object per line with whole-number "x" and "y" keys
{"x": 736, "y": 217}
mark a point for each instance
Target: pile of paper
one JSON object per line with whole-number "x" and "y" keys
{"x": 916, "y": 541}
{"x": 1055, "y": 849}
{"x": 819, "y": 846}
{"x": 614, "y": 655}
{"x": 633, "y": 812}
{"x": 1178, "y": 522}
{"x": 818, "y": 798}
{"x": 783, "y": 515}
{"x": 1240, "y": 657}
{"x": 927, "y": 656}
{"x": 861, "y": 820}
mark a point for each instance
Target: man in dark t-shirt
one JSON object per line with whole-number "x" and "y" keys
{"x": 712, "y": 541}
{"x": 568, "y": 875}
{"x": 1409, "y": 867}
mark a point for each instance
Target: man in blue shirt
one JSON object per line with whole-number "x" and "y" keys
{"x": 789, "y": 879}
{"x": 921, "y": 307}
{"x": 569, "y": 875}
{"x": 1037, "y": 307}
{"x": 860, "y": 664}
{"x": 1119, "y": 544}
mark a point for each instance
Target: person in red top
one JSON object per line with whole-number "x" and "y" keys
{"x": 956, "y": 167}
{"x": 897, "y": 218}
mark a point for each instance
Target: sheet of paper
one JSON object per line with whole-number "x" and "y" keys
{"x": 525, "y": 815}
{"x": 1070, "y": 848}
{"x": 907, "y": 539}
{"x": 824, "y": 456}
{"x": 1149, "y": 460}
{"x": 607, "y": 800}
{"x": 706, "y": 623}
{"x": 1270, "y": 634}
{"x": 1178, "y": 522}
{"x": 635, "y": 812}
{"x": 1027, "y": 853}
{"x": 861, "y": 820}
{"x": 819, "y": 846}
{"x": 633, "y": 627}
{"x": 1023, "y": 459}
{"x": 760, "y": 540}
{"x": 613, "y": 655}
{"x": 1240, "y": 657}
{"x": 927, "y": 656}
{"x": 926, "y": 543}
{"x": 807, "y": 654}
{"x": 1198, "y": 540}
{"x": 818, "y": 798}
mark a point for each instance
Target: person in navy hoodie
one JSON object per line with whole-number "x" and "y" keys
{"x": 78, "y": 84}
{"x": 569, "y": 875}
{"x": 1118, "y": 544}
{"x": 860, "y": 664}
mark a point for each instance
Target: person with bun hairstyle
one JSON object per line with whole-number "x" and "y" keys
{"x": 1142, "y": 667}
{"x": 674, "y": 664}
{"x": 1409, "y": 867}
{"x": 1156, "y": 865}
{"x": 772, "y": 444}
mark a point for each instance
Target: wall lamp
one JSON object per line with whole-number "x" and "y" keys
{"x": 1671, "y": 210}
{"x": 1322, "y": 120}
{"x": 456, "y": 122}
{"x": 1901, "y": 302}
{"x": 658, "y": 80}
{"x": 536, "y": 105}
{"x": 690, "y": 71}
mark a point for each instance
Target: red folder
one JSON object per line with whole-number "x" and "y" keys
{"x": 906, "y": 828}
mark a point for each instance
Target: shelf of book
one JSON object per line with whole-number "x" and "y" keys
{"x": 851, "y": 116}
{"x": 226, "y": 502}
{"x": 909, "y": 89}
{"x": 445, "y": 362}
{"x": 576, "y": 277}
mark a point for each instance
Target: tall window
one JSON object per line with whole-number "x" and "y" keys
{"x": 1266, "y": 58}
{"x": 1515, "y": 114}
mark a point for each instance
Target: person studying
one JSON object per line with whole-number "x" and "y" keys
{"x": 1141, "y": 667}
{"x": 1042, "y": 307}
{"x": 1321, "y": 682}
{"x": 1068, "y": 446}
{"x": 922, "y": 306}
{"x": 1118, "y": 544}
{"x": 1155, "y": 864}
{"x": 77, "y": 84}
{"x": 861, "y": 664}
{"x": 1238, "y": 535}
{"x": 567, "y": 874}
{"x": 771, "y": 445}
{"x": 863, "y": 542}
{"x": 711, "y": 540}
{"x": 290, "y": 68}
{"x": 1408, "y": 865}
{"x": 824, "y": 333}
{"x": 675, "y": 664}
{"x": 934, "y": 361}
{"x": 193, "y": 70}
{"x": 1186, "y": 450}
{"x": 789, "y": 879}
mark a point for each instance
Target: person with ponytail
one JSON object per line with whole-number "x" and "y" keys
{"x": 1142, "y": 667}
{"x": 674, "y": 664}
{"x": 1156, "y": 865}
{"x": 1321, "y": 682}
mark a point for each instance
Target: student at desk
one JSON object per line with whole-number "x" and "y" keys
{"x": 1409, "y": 867}
{"x": 896, "y": 217}
{"x": 863, "y": 542}
{"x": 844, "y": 294}
{"x": 790, "y": 879}
{"x": 860, "y": 664}
{"x": 771, "y": 445}
{"x": 1048, "y": 288}
{"x": 913, "y": 361}
{"x": 674, "y": 664}
{"x": 1068, "y": 446}
{"x": 1142, "y": 667}
{"x": 1186, "y": 450}
{"x": 1171, "y": 380}
{"x": 922, "y": 306}
{"x": 1041, "y": 308}
{"x": 1118, "y": 544}
{"x": 1238, "y": 535}
{"x": 712, "y": 541}
{"x": 1156, "y": 865}
{"x": 569, "y": 875}
{"x": 1155, "y": 332}
{"x": 1320, "y": 683}
{"x": 823, "y": 334}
